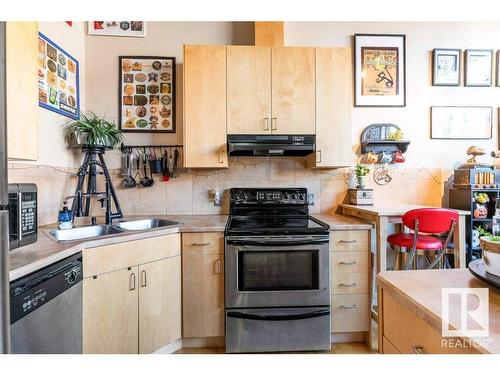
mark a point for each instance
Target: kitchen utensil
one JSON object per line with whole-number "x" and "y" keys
{"x": 398, "y": 157}
{"x": 176, "y": 166}
{"x": 171, "y": 164}
{"x": 129, "y": 181}
{"x": 155, "y": 164}
{"x": 370, "y": 157}
{"x": 146, "y": 181}
{"x": 164, "y": 166}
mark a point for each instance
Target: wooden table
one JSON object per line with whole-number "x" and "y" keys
{"x": 390, "y": 213}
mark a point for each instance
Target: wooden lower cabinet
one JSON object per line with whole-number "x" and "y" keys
{"x": 136, "y": 309}
{"x": 402, "y": 331}
{"x": 203, "y": 284}
{"x": 110, "y": 314}
{"x": 159, "y": 304}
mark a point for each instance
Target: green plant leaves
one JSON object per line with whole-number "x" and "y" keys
{"x": 97, "y": 130}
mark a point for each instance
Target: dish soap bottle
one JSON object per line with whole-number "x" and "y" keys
{"x": 495, "y": 230}
{"x": 65, "y": 217}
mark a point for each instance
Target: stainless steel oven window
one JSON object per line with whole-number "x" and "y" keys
{"x": 278, "y": 270}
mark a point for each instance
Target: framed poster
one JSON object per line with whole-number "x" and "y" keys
{"x": 58, "y": 79}
{"x": 478, "y": 67}
{"x": 379, "y": 70}
{"x": 446, "y": 67}
{"x": 135, "y": 29}
{"x": 461, "y": 122}
{"x": 147, "y": 94}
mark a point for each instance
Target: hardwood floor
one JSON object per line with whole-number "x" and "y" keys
{"x": 338, "y": 348}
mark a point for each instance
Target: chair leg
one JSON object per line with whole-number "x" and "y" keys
{"x": 397, "y": 262}
{"x": 437, "y": 259}
{"x": 411, "y": 260}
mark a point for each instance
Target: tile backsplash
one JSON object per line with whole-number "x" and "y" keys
{"x": 193, "y": 191}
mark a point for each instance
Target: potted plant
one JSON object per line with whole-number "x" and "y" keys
{"x": 361, "y": 171}
{"x": 92, "y": 131}
{"x": 491, "y": 251}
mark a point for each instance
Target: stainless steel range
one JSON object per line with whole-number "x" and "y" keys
{"x": 277, "y": 283}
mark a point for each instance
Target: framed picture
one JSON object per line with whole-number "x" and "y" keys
{"x": 461, "y": 122}
{"x": 135, "y": 29}
{"x": 58, "y": 79}
{"x": 379, "y": 70}
{"x": 478, "y": 67}
{"x": 446, "y": 67}
{"x": 147, "y": 94}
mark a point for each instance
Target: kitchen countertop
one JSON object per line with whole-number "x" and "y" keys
{"x": 45, "y": 251}
{"x": 421, "y": 292}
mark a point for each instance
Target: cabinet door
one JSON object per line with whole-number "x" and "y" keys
{"x": 293, "y": 92}
{"x": 205, "y": 107}
{"x": 22, "y": 90}
{"x": 203, "y": 284}
{"x": 333, "y": 108}
{"x": 110, "y": 314}
{"x": 248, "y": 90}
{"x": 159, "y": 304}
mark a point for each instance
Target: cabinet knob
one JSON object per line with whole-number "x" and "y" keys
{"x": 346, "y": 241}
{"x": 348, "y": 285}
{"x": 200, "y": 244}
{"x": 347, "y": 263}
{"x": 348, "y": 306}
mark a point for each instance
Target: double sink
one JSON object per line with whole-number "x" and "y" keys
{"x": 93, "y": 231}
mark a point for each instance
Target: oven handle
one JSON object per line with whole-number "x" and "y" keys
{"x": 312, "y": 314}
{"x": 270, "y": 242}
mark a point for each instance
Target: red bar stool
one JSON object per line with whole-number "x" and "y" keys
{"x": 427, "y": 220}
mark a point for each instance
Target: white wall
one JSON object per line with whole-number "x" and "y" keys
{"x": 414, "y": 119}
{"x": 52, "y": 147}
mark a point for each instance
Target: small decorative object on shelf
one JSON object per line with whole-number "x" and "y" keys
{"x": 473, "y": 174}
{"x": 496, "y": 159}
{"x": 385, "y": 142}
{"x": 382, "y": 175}
{"x": 361, "y": 195}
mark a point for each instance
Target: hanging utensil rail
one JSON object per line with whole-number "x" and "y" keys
{"x": 128, "y": 148}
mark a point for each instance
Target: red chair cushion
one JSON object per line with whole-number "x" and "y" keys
{"x": 423, "y": 242}
{"x": 430, "y": 220}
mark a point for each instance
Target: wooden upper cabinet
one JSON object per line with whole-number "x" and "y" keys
{"x": 293, "y": 90}
{"x": 333, "y": 108}
{"x": 204, "y": 107}
{"x": 248, "y": 90}
{"x": 22, "y": 90}
{"x": 159, "y": 304}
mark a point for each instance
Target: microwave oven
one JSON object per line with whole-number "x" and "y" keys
{"x": 23, "y": 215}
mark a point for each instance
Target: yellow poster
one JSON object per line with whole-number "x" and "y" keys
{"x": 379, "y": 71}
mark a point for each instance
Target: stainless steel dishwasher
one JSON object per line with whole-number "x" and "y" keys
{"x": 46, "y": 309}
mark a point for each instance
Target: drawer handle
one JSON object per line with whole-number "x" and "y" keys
{"x": 348, "y": 285}
{"x": 418, "y": 349}
{"x": 273, "y": 123}
{"x": 131, "y": 282}
{"x": 143, "y": 279}
{"x": 345, "y": 241}
{"x": 348, "y": 306}
{"x": 348, "y": 263}
{"x": 200, "y": 244}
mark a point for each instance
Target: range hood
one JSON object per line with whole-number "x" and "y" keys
{"x": 270, "y": 145}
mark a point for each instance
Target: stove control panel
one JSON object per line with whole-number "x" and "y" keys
{"x": 263, "y": 196}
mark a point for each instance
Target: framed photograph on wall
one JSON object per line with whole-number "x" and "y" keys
{"x": 147, "y": 94}
{"x": 58, "y": 79}
{"x": 451, "y": 122}
{"x": 478, "y": 67}
{"x": 379, "y": 70}
{"x": 446, "y": 67}
{"x": 136, "y": 29}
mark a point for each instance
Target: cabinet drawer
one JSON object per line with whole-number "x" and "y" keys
{"x": 350, "y": 313}
{"x": 202, "y": 243}
{"x": 407, "y": 332}
{"x": 349, "y": 283}
{"x": 349, "y": 261}
{"x": 350, "y": 240}
{"x": 102, "y": 259}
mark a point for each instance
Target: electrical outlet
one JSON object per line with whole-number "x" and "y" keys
{"x": 310, "y": 199}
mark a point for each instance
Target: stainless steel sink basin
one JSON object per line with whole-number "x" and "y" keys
{"x": 81, "y": 233}
{"x": 145, "y": 224}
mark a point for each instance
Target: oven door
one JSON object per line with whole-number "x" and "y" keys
{"x": 289, "y": 271}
